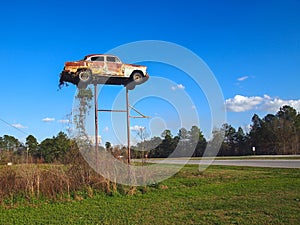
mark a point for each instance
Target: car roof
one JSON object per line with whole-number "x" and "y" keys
{"x": 91, "y": 55}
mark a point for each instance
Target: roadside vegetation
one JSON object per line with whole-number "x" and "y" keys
{"x": 218, "y": 195}
{"x": 28, "y": 183}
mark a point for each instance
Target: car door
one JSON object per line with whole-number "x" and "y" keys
{"x": 97, "y": 65}
{"x": 114, "y": 66}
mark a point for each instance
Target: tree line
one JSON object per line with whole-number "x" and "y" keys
{"x": 55, "y": 149}
{"x": 270, "y": 135}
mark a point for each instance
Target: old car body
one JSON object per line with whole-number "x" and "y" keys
{"x": 103, "y": 69}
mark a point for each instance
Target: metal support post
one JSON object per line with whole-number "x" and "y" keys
{"x": 128, "y": 125}
{"x": 127, "y": 110}
{"x": 96, "y": 122}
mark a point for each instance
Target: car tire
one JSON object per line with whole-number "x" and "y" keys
{"x": 137, "y": 78}
{"x": 84, "y": 76}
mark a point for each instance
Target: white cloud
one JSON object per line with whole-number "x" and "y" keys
{"x": 273, "y": 104}
{"x": 61, "y": 121}
{"x": 243, "y": 78}
{"x": 106, "y": 129}
{"x": 18, "y": 125}
{"x": 241, "y": 103}
{"x": 178, "y": 86}
{"x": 137, "y": 128}
{"x": 47, "y": 119}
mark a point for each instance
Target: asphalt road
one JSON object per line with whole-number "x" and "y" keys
{"x": 274, "y": 163}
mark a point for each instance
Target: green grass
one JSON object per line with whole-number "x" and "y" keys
{"x": 219, "y": 195}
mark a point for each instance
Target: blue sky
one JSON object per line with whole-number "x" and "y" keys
{"x": 252, "y": 47}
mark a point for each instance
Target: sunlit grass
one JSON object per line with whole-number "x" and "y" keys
{"x": 219, "y": 195}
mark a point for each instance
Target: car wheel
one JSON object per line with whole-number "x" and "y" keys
{"x": 84, "y": 76}
{"x": 137, "y": 77}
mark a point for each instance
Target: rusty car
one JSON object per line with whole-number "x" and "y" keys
{"x": 103, "y": 69}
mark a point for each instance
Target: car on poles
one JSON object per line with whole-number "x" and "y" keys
{"x": 103, "y": 69}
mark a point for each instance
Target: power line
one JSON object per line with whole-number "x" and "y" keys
{"x": 14, "y": 127}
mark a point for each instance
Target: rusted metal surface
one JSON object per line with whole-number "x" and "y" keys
{"x": 103, "y": 69}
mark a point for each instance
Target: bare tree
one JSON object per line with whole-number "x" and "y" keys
{"x": 142, "y": 134}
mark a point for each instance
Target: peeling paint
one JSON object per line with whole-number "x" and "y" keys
{"x": 103, "y": 68}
